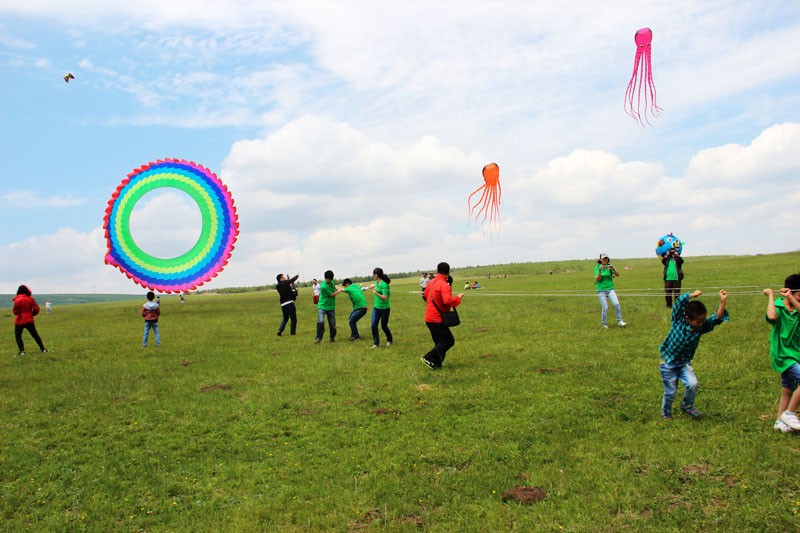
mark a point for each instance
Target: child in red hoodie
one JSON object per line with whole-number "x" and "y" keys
{"x": 25, "y": 308}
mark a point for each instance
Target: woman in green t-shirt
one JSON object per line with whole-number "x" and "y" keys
{"x": 381, "y": 308}
{"x": 604, "y": 273}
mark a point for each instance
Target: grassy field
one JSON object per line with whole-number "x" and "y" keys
{"x": 227, "y": 427}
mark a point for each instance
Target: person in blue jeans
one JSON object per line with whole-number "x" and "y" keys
{"x": 151, "y": 310}
{"x": 356, "y": 295}
{"x": 327, "y": 307}
{"x": 689, "y": 323}
{"x": 604, "y": 274}
{"x": 381, "y": 308}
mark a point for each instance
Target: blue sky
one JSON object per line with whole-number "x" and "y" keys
{"x": 351, "y": 133}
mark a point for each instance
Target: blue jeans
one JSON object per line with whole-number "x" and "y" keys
{"x": 321, "y": 314}
{"x": 670, "y": 374}
{"x": 790, "y": 378}
{"x": 611, "y": 295}
{"x": 148, "y": 325}
{"x": 382, "y": 316}
{"x": 355, "y": 316}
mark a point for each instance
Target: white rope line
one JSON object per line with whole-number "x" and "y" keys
{"x": 661, "y": 294}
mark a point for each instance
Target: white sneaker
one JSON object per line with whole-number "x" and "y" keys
{"x": 621, "y": 324}
{"x": 388, "y": 344}
{"x": 791, "y": 420}
{"x": 781, "y": 426}
{"x": 373, "y": 346}
{"x": 605, "y": 327}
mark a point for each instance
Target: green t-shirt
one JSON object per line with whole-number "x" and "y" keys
{"x": 381, "y": 288}
{"x": 784, "y": 341}
{"x": 326, "y": 301}
{"x": 356, "y": 296}
{"x": 672, "y": 271}
{"x": 606, "y": 282}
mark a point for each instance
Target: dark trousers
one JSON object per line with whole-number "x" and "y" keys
{"x": 442, "y": 339}
{"x": 289, "y": 313}
{"x": 321, "y": 314}
{"x": 672, "y": 289}
{"x": 32, "y": 330}
{"x": 355, "y": 316}
{"x": 382, "y": 316}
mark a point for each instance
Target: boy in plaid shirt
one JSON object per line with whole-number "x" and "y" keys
{"x": 689, "y": 322}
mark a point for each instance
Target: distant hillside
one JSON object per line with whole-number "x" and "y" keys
{"x": 69, "y": 299}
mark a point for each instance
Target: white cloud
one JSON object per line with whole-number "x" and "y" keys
{"x": 771, "y": 157}
{"x": 25, "y": 199}
{"x": 350, "y": 219}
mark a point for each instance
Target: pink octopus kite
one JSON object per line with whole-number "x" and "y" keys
{"x": 641, "y": 89}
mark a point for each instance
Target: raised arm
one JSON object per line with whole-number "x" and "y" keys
{"x": 723, "y": 298}
{"x": 772, "y": 314}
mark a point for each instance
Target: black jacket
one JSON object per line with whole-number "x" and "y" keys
{"x": 285, "y": 291}
{"x": 678, "y": 264}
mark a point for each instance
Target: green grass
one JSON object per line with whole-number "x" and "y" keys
{"x": 102, "y": 435}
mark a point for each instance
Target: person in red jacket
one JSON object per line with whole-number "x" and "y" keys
{"x": 439, "y": 298}
{"x": 25, "y": 308}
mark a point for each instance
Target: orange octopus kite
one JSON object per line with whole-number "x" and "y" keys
{"x": 489, "y": 200}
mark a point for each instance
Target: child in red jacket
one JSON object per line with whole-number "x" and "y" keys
{"x": 25, "y": 308}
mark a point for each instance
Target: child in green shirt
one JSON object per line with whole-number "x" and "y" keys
{"x": 784, "y": 350}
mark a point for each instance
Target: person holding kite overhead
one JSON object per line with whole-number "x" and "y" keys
{"x": 673, "y": 275}
{"x": 287, "y": 298}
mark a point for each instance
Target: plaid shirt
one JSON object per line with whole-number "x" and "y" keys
{"x": 681, "y": 342}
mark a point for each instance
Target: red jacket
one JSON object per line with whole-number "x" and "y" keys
{"x": 25, "y": 308}
{"x": 439, "y": 291}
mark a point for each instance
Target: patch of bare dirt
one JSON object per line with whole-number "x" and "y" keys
{"x": 215, "y": 386}
{"x": 525, "y": 495}
{"x": 424, "y": 387}
{"x": 557, "y": 370}
{"x": 481, "y": 329}
{"x": 487, "y": 356}
{"x": 697, "y": 469}
{"x": 383, "y": 411}
{"x": 186, "y": 363}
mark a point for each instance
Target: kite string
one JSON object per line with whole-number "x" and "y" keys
{"x": 555, "y": 293}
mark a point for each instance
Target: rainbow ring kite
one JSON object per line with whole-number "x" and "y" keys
{"x": 210, "y": 253}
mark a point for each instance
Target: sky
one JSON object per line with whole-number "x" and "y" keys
{"x": 350, "y": 134}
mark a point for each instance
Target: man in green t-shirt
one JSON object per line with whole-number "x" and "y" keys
{"x": 356, "y": 294}
{"x": 327, "y": 307}
{"x": 784, "y": 350}
{"x": 673, "y": 275}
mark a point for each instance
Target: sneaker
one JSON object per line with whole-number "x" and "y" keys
{"x": 21, "y": 353}
{"x": 429, "y": 364}
{"x": 692, "y": 411}
{"x": 317, "y": 341}
{"x": 373, "y": 346}
{"x": 279, "y": 333}
{"x": 790, "y": 419}
{"x": 45, "y": 350}
{"x": 666, "y": 416}
{"x": 388, "y": 344}
{"x": 605, "y": 327}
{"x": 621, "y": 324}
{"x": 781, "y": 426}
